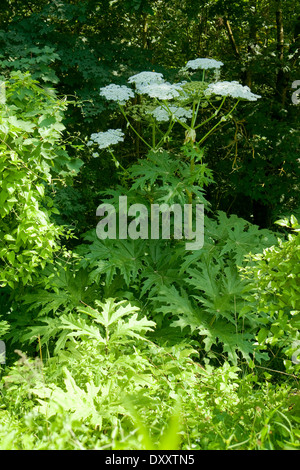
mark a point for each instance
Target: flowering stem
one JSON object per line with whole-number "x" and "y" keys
{"x": 218, "y": 123}
{"x": 153, "y": 135}
{"x": 166, "y": 134}
{"x": 213, "y": 115}
{"x": 195, "y": 114}
{"x": 117, "y": 163}
{"x": 131, "y": 127}
{"x": 175, "y": 118}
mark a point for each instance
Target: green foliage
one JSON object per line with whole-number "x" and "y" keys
{"x": 140, "y": 397}
{"x": 141, "y": 343}
{"x": 275, "y": 292}
{"x": 4, "y": 327}
{"x": 31, "y": 157}
{"x": 205, "y": 298}
{"x": 210, "y": 299}
{"x": 35, "y": 60}
{"x": 87, "y": 45}
{"x": 200, "y": 292}
{"x": 35, "y": 314}
{"x": 167, "y": 179}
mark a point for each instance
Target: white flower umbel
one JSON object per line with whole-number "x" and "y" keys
{"x": 162, "y": 91}
{"x": 119, "y": 93}
{"x": 146, "y": 78}
{"x": 108, "y": 138}
{"x": 203, "y": 64}
{"x": 233, "y": 89}
{"x": 175, "y": 112}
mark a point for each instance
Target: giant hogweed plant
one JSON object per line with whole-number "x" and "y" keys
{"x": 188, "y": 294}
{"x": 199, "y": 293}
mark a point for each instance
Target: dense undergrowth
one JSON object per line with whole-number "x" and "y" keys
{"x": 141, "y": 343}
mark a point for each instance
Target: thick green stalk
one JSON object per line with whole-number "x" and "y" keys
{"x": 213, "y": 115}
{"x": 218, "y": 123}
{"x": 131, "y": 127}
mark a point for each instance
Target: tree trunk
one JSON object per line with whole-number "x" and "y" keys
{"x": 282, "y": 80}
{"x": 252, "y": 42}
{"x": 231, "y": 38}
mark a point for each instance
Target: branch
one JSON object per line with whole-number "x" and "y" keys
{"x": 231, "y": 38}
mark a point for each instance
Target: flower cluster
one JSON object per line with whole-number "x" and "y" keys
{"x": 148, "y": 83}
{"x": 106, "y": 139}
{"x": 155, "y": 86}
{"x": 145, "y": 78}
{"x": 119, "y": 93}
{"x": 203, "y": 64}
{"x": 175, "y": 112}
{"x": 233, "y": 89}
{"x": 162, "y": 91}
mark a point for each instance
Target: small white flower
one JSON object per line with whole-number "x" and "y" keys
{"x": 233, "y": 89}
{"x": 119, "y": 93}
{"x": 146, "y": 78}
{"x": 203, "y": 64}
{"x": 95, "y": 154}
{"x": 163, "y": 115}
{"x": 108, "y": 138}
{"x": 162, "y": 91}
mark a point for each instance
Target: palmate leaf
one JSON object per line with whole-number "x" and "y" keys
{"x": 132, "y": 328}
{"x": 81, "y": 403}
{"x": 179, "y": 305}
{"x": 46, "y": 302}
{"x": 78, "y": 326}
{"x": 133, "y": 197}
{"x": 220, "y": 290}
{"x": 110, "y": 313}
{"x": 215, "y": 331}
{"x": 156, "y": 279}
{"x": 162, "y": 262}
{"x": 168, "y": 179}
{"x": 67, "y": 287}
{"x": 171, "y": 193}
{"x": 231, "y": 238}
{"x": 110, "y": 257}
{"x": 158, "y": 167}
{"x": 207, "y": 279}
{"x": 113, "y": 323}
{"x": 232, "y": 341}
{"x": 119, "y": 320}
{"x": 240, "y": 237}
{"x": 51, "y": 329}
